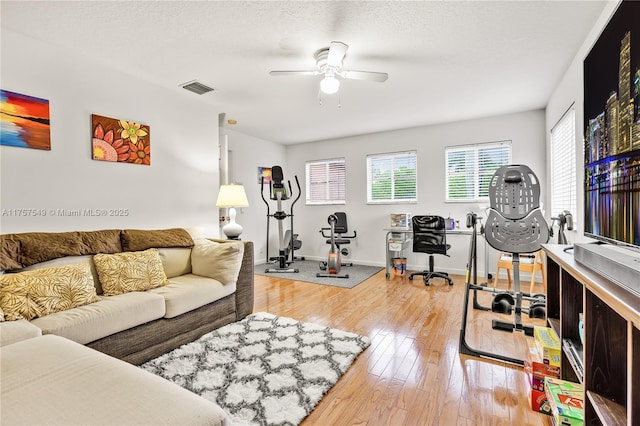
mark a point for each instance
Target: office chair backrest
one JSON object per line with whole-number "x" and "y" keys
{"x": 515, "y": 223}
{"x": 341, "y": 224}
{"x": 429, "y": 234}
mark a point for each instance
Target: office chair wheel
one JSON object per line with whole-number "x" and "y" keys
{"x": 410, "y": 277}
{"x": 426, "y": 281}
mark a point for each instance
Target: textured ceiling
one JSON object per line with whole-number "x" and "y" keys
{"x": 447, "y": 60}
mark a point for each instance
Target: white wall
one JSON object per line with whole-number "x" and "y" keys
{"x": 178, "y": 189}
{"x": 247, "y": 153}
{"x": 525, "y": 130}
{"x": 570, "y": 90}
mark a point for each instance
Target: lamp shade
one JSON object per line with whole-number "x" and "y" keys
{"x": 232, "y": 196}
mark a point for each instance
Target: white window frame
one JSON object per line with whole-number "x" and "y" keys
{"x": 562, "y": 149}
{"x": 332, "y": 181}
{"x": 392, "y": 158}
{"x": 472, "y": 170}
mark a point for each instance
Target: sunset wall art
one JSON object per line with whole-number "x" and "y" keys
{"x": 24, "y": 121}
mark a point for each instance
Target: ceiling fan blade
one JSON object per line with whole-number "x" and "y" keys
{"x": 337, "y": 50}
{"x": 307, "y": 72}
{"x": 364, "y": 75}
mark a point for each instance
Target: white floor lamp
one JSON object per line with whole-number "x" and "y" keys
{"x": 232, "y": 196}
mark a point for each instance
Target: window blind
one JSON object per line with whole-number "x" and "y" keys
{"x": 392, "y": 178}
{"x": 326, "y": 181}
{"x": 563, "y": 164}
{"x": 469, "y": 169}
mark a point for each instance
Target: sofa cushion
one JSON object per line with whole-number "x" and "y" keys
{"x": 175, "y": 261}
{"x": 107, "y": 316}
{"x": 34, "y": 247}
{"x": 142, "y": 239}
{"x": 188, "y": 292}
{"x": 220, "y": 261}
{"x": 129, "y": 271}
{"x": 15, "y": 331}
{"x": 53, "y": 381}
{"x": 69, "y": 260}
{"x": 31, "y": 294}
{"x": 9, "y": 252}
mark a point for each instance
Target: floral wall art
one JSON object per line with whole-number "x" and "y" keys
{"x": 120, "y": 140}
{"x": 24, "y": 121}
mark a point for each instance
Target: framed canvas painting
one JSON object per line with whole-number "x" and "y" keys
{"x": 120, "y": 140}
{"x": 24, "y": 121}
{"x": 264, "y": 173}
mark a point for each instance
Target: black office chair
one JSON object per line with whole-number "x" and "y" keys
{"x": 430, "y": 236}
{"x": 342, "y": 238}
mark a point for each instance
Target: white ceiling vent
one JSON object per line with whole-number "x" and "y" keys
{"x": 197, "y": 87}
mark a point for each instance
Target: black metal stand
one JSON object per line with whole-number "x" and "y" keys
{"x": 463, "y": 346}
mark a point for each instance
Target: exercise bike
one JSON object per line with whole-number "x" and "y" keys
{"x": 286, "y": 246}
{"x": 333, "y": 263}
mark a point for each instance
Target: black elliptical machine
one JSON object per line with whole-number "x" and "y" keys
{"x": 278, "y": 193}
{"x": 333, "y": 264}
{"x": 515, "y": 225}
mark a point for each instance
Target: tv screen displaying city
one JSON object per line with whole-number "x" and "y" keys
{"x": 612, "y": 130}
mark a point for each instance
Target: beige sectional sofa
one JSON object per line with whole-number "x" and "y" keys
{"x": 190, "y": 288}
{"x": 134, "y": 326}
{"x": 51, "y": 380}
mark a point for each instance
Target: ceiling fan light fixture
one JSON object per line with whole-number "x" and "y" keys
{"x": 329, "y": 85}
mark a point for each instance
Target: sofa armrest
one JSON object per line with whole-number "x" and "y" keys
{"x": 245, "y": 284}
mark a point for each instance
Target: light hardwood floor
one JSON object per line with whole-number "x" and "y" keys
{"x": 412, "y": 374}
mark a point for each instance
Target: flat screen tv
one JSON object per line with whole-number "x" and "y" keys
{"x": 612, "y": 130}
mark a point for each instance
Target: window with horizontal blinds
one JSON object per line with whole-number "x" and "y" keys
{"x": 470, "y": 168}
{"x": 326, "y": 181}
{"x": 392, "y": 178}
{"x": 563, "y": 164}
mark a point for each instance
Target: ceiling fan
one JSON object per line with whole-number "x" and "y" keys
{"x": 329, "y": 63}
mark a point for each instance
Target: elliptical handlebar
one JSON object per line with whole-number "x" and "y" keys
{"x": 299, "y": 190}
{"x": 278, "y": 184}
{"x": 262, "y": 192}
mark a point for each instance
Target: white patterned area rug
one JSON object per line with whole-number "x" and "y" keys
{"x": 263, "y": 370}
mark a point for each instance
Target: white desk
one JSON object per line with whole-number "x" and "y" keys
{"x": 401, "y": 238}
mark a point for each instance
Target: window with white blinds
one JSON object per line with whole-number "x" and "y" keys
{"x": 392, "y": 178}
{"x": 326, "y": 181}
{"x": 563, "y": 164}
{"x": 471, "y": 167}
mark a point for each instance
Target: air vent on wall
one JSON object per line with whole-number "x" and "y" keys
{"x": 197, "y": 87}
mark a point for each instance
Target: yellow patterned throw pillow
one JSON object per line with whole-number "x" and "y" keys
{"x": 27, "y": 295}
{"x": 130, "y": 271}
